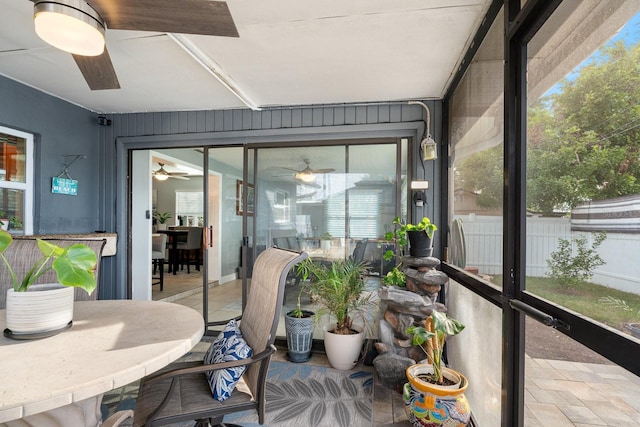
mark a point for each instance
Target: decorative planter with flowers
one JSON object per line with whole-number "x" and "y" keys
{"x": 36, "y": 311}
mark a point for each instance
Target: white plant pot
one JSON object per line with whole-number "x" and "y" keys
{"x": 343, "y": 351}
{"x": 325, "y": 245}
{"x": 42, "y": 309}
{"x": 161, "y": 226}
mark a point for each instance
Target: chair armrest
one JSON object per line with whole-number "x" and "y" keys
{"x": 197, "y": 367}
{"x": 117, "y": 418}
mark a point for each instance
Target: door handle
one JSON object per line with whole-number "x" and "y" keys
{"x": 210, "y": 236}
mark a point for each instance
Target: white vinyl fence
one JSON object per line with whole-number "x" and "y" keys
{"x": 620, "y": 251}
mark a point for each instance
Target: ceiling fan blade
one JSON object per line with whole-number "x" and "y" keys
{"x": 98, "y": 71}
{"x": 327, "y": 170}
{"x": 179, "y": 177}
{"x": 168, "y": 16}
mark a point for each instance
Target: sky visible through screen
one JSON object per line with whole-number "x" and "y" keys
{"x": 629, "y": 34}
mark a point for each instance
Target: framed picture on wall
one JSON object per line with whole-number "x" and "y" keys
{"x": 251, "y": 198}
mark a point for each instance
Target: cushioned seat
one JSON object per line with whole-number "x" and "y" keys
{"x": 181, "y": 391}
{"x": 158, "y": 250}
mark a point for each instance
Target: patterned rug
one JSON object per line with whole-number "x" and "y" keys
{"x": 297, "y": 395}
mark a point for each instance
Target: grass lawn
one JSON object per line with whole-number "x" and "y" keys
{"x": 588, "y": 299}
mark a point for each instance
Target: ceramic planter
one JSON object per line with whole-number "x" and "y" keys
{"x": 41, "y": 311}
{"x": 343, "y": 351}
{"x": 431, "y": 405}
{"x": 420, "y": 245}
{"x": 299, "y": 332}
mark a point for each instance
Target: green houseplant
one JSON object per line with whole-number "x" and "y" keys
{"x": 420, "y": 235}
{"x": 48, "y": 308}
{"x": 162, "y": 218}
{"x": 299, "y": 325}
{"x": 434, "y": 392}
{"x": 339, "y": 288}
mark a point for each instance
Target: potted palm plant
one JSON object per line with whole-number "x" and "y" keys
{"x": 338, "y": 287}
{"x": 431, "y": 385}
{"x": 40, "y": 310}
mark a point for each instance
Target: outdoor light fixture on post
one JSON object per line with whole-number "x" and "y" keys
{"x": 428, "y": 144}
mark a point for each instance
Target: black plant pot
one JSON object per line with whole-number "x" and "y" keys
{"x": 299, "y": 336}
{"x": 420, "y": 245}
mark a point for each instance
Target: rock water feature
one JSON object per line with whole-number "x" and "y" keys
{"x": 405, "y": 307}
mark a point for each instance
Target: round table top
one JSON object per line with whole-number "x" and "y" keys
{"x": 110, "y": 344}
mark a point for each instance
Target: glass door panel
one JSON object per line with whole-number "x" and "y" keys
{"x": 324, "y": 200}
{"x": 583, "y": 195}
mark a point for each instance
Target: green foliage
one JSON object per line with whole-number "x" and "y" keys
{"x": 74, "y": 266}
{"x": 162, "y": 217}
{"x": 326, "y": 236}
{"x": 431, "y": 338}
{"x": 15, "y": 223}
{"x": 583, "y": 142}
{"x": 396, "y": 277}
{"x": 338, "y": 287}
{"x": 482, "y": 174}
{"x": 570, "y": 269}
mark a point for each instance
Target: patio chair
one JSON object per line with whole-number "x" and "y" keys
{"x": 23, "y": 253}
{"x": 181, "y": 392}
{"x": 192, "y": 247}
{"x": 158, "y": 249}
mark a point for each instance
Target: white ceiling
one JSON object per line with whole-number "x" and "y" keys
{"x": 290, "y": 52}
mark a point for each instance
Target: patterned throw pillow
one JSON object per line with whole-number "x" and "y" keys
{"x": 227, "y": 347}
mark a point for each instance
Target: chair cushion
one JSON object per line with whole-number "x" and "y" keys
{"x": 228, "y": 346}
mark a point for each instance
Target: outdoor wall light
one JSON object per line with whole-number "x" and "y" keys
{"x": 428, "y": 144}
{"x": 70, "y": 25}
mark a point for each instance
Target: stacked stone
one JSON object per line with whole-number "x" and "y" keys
{"x": 406, "y": 307}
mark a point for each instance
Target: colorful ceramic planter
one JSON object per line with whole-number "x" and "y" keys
{"x": 431, "y": 405}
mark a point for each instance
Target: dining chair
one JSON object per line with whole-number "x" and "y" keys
{"x": 190, "y": 250}
{"x": 158, "y": 249}
{"x": 181, "y": 392}
{"x": 24, "y": 252}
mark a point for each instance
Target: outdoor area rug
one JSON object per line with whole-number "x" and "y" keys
{"x": 297, "y": 395}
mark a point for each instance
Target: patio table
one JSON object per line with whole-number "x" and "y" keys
{"x": 110, "y": 344}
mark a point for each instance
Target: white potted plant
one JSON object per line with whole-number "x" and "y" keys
{"x": 36, "y": 310}
{"x": 338, "y": 287}
{"x": 162, "y": 218}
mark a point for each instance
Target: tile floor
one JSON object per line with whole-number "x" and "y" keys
{"x": 557, "y": 393}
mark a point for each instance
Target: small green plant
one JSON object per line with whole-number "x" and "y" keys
{"x": 338, "y": 287}
{"x": 74, "y": 266}
{"x": 431, "y": 337}
{"x": 326, "y": 236}
{"x": 162, "y": 217}
{"x": 15, "y": 223}
{"x": 396, "y": 277}
{"x": 570, "y": 269}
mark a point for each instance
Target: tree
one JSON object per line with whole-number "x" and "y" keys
{"x": 583, "y": 142}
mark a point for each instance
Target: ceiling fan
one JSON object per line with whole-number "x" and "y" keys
{"x": 307, "y": 174}
{"x": 162, "y": 174}
{"x": 85, "y": 22}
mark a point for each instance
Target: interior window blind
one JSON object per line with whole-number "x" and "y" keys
{"x": 364, "y": 209}
{"x": 189, "y": 203}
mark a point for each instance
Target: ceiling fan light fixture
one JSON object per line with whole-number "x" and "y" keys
{"x": 306, "y": 176}
{"x": 70, "y": 25}
{"x": 161, "y": 177}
